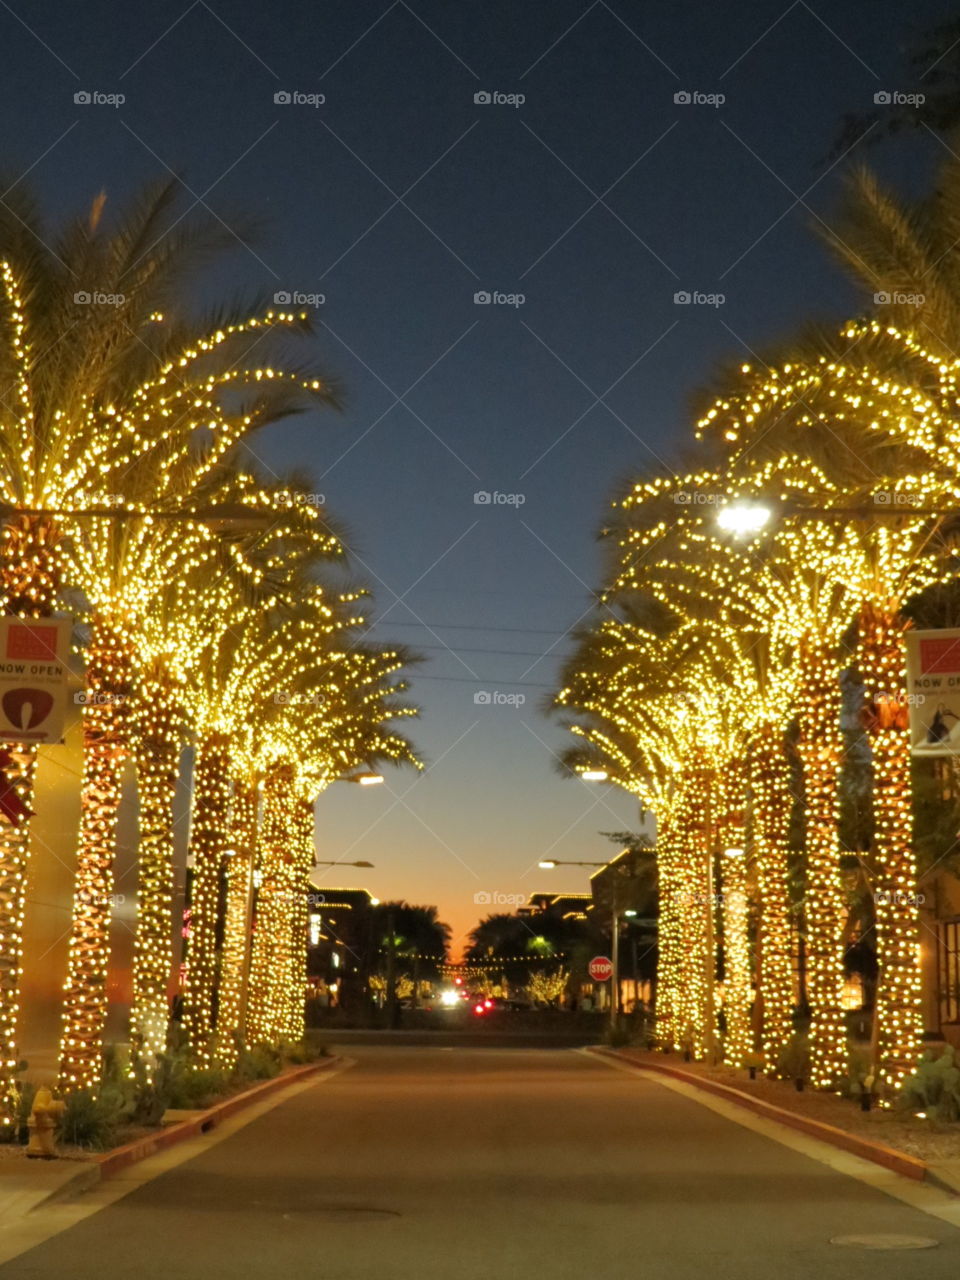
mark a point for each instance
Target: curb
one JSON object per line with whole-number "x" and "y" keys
{"x": 877, "y": 1152}
{"x": 90, "y": 1172}
{"x": 112, "y": 1162}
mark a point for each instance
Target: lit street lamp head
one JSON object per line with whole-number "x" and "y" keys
{"x": 594, "y": 775}
{"x": 546, "y": 864}
{"x": 743, "y": 518}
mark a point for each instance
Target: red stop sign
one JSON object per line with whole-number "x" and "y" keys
{"x": 600, "y": 968}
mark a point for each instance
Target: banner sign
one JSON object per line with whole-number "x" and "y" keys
{"x": 933, "y": 691}
{"x": 33, "y": 678}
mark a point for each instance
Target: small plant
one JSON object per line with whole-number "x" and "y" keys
{"x": 794, "y": 1060}
{"x": 89, "y": 1121}
{"x": 617, "y": 1037}
{"x": 935, "y": 1087}
{"x": 855, "y": 1083}
{"x": 261, "y": 1062}
{"x": 754, "y": 1062}
{"x": 194, "y": 1090}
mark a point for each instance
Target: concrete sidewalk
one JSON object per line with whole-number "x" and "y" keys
{"x": 27, "y": 1184}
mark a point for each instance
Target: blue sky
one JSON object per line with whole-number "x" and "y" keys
{"x": 595, "y": 200}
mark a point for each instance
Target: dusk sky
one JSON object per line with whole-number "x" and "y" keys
{"x": 584, "y": 197}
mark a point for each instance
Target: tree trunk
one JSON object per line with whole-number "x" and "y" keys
{"x": 820, "y": 749}
{"x": 271, "y": 965}
{"x": 29, "y": 578}
{"x": 157, "y": 725}
{"x": 737, "y": 969}
{"x": 899, "y": 1011}
{"x": 236, "y": 931}
{"x": 771, "y": 804}
{"x": 208, "y": 843}
{"x": 668, "y": 926}
{"x": 105, "y": 723}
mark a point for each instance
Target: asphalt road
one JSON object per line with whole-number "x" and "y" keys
{"x": 477, "y": 1163}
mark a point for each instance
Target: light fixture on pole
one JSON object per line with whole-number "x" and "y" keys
{"x": 548, "y": 864}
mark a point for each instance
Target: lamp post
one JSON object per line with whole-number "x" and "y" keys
{"x": 547, "y": 864}
{"x": 742, "y": 518}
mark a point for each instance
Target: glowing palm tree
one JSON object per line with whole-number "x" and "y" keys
{"x": 834, "y": 432}
{"x": 98, "y": 390}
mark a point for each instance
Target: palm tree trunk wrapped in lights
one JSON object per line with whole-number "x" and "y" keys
{"x": 735, "y": 912}
{"x": 105, "y": 717}
{"x": 304, "y": 851}
{"x": 271, "y": 964}
{"x": 234, "y": 967}
{"x": 28, "y": 589}
{"x": 696, "y": 959}
{"x": 737, "y": 970}
{"x": 668, "y": 933}
{"x": 898, "y": 1012}
{"x": 820, "y": 749}
{"x": 208, "y": 844}
{"x": 157, "y": 726}
{"x": 771, "y": 804}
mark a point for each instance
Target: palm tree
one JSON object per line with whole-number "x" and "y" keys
{"x": 873, "y": 416}
{"x": 100, "y": 391}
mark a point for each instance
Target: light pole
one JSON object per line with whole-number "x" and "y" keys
{"x": 547, "y": 864}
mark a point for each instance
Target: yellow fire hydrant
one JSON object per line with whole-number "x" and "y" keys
{"x": 42, "y": 1124}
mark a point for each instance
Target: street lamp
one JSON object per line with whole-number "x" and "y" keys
{"x": 548, "y": 864}
{"x": 322, "y": 863}
{"x": 594, "y": 775}
{"x": 365, "y": 779}
{"x": 742, "y": 517}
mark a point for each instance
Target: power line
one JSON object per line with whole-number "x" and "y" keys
{"x": 457, "y": 626}
{"x": 513, "y": 684}
{"x": 509, "y": 653}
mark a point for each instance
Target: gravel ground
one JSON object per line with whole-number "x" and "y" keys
{"x": 921, "y": 1138}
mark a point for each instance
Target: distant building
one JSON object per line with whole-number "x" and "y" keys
{"x": 568, "y": 905}
{"x": 339, "y": 940}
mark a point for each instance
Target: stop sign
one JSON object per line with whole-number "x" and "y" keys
{"x": 600, "y": 968}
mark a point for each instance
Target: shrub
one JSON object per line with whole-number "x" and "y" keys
{"x": 90, "y": 1121}
{"x": 934, "y": 1087}
{"x": 858, "y": 1071}
{"x": 261, "y": 1062}
{"x": 794, "y": 1060}
{"x": 193, "y": 1090}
